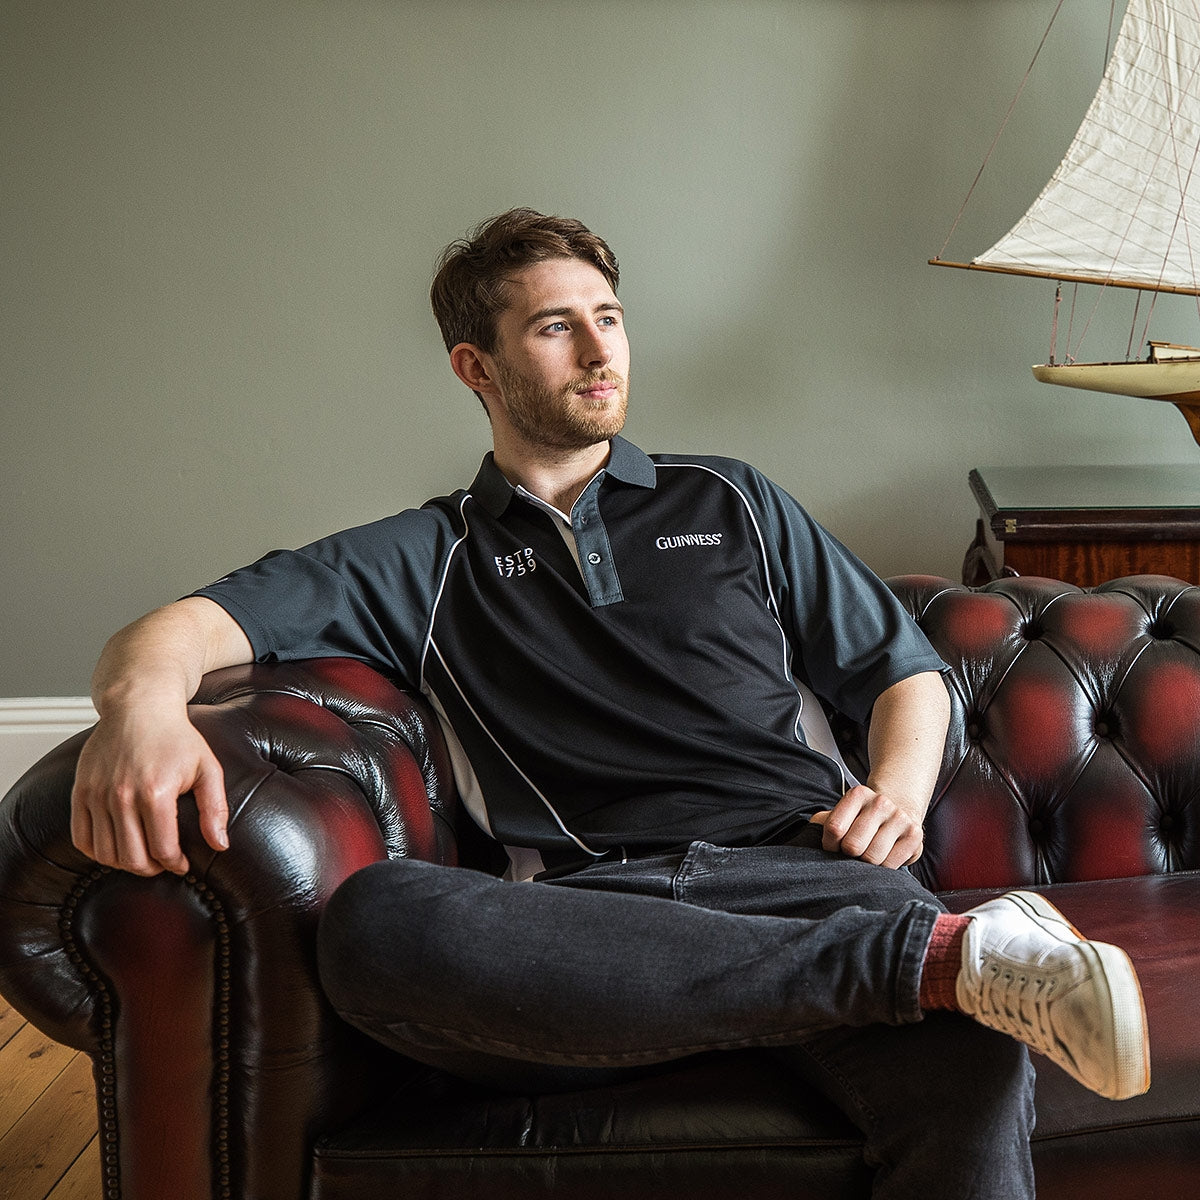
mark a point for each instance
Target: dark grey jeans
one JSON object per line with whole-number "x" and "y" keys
{"x": 594, "y": 974}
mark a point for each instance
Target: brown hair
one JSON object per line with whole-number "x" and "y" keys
{"x": 471, "y": 284}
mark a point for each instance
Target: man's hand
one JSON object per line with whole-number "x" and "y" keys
{"x": 869, "y": 825}
{"x": 125, "y": 803}
{"x": 145, "y": 753}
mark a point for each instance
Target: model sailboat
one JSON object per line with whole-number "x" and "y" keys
{"x": 1123, "y": 208}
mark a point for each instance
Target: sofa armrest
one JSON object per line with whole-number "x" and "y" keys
{"x": 217, "y": 1057}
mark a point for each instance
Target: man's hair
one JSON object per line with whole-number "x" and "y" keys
{"x": 472, "y": 282}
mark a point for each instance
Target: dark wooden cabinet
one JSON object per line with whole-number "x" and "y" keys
{"x": 1086, "y": 524}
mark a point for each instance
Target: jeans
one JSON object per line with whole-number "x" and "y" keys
{"x": 586, "y": 977}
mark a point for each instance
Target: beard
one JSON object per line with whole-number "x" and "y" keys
{"x": 563, "y": 419}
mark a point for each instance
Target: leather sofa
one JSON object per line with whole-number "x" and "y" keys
{"x": 1072, "y": 765}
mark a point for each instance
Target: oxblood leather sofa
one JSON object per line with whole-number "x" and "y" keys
{"x": 1072, "y": 765}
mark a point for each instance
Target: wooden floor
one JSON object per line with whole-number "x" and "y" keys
{"x": 48, "y": 1146}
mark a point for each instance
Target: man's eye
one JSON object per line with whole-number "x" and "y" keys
{"x": 556, "y": 327}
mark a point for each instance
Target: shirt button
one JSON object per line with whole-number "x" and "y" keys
{"x": 593, "y": 558}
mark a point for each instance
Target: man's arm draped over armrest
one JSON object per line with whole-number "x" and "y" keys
{"x": 145, "y": 753}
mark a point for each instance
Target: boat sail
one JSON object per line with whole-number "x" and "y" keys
{"x": 1123, "y": 208}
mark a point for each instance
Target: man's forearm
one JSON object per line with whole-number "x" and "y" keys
{"x": 907, "y": 738}
{"x": 881, "y": 821}
{"x": 161, "y": 658}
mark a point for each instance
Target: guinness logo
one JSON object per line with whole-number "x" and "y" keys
{"x": 678, "y": 540}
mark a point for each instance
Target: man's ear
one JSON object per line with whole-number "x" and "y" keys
{"x": 474, "y": 367}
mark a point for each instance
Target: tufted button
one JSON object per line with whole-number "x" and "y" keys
{"x": 1160, "y": 629}
{"x": 1031, "y": 630}
{"x": 1166, "y": 821}
{"x": 974, "y": 730}
{"x": 1037, "y": 826}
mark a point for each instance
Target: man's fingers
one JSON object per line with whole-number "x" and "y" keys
{"x": 81, "y": 823}
{"x": 125, "y": 802}
{"x": 866, "y": 825}
{"x": 113, "y": 840}
{"x": 895, "y": 845}
{"x": 209, "y": 790}
{"x": 158, "y": 826}
{"x": 145, "y": 850}
{"x": 840, "y": 820}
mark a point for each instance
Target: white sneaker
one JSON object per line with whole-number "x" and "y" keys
{"x": 1028, "y": 972}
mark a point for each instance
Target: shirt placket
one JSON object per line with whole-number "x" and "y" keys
{"x": 595, "y": 553}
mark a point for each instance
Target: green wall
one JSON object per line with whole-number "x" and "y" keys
{"x": 220, "y": 220}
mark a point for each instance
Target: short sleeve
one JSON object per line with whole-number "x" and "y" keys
{"x": 851, "y": 638}
{"x": 365, "y": 593}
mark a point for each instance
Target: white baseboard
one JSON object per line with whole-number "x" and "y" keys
{"x": 31, "y": 726}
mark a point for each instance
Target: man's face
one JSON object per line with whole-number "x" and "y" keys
{"x": 562, "y": 359}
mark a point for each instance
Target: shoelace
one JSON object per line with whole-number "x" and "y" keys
{"x": 1018, "y": 1003}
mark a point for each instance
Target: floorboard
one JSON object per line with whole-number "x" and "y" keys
{"x": 82, "y": 1181}
{"x": 48, "y": 1145}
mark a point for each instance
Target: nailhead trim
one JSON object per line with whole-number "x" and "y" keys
{"x": 220, "y": 1132}
{"x": 106, "y": 1092}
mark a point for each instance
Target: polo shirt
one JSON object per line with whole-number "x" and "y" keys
{"x": 627, "y": 677}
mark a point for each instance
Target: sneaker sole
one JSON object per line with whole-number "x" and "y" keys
{"x": 1130, "y": 1035}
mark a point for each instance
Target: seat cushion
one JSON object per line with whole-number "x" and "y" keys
{"x": 721, "y": 1126}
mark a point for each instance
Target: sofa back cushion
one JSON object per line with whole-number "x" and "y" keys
{"x": 1074, "y": 744}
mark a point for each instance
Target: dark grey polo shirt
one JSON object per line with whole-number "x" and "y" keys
{"x": 638, "y": 694}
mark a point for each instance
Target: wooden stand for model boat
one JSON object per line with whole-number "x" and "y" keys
{"x": 1086, "y": 524}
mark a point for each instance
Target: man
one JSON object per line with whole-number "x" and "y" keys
{"x": 620, "y": 649}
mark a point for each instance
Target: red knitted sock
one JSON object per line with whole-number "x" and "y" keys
{"x": 943, "y": 960}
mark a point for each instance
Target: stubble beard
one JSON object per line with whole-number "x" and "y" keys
{"x": 563, "y": 420}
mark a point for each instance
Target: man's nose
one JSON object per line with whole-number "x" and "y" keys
{"x": 594, "y": 349}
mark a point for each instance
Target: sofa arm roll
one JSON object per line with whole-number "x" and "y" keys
{"x": 217, "y": 1056}
{"x": 41, "y": 873}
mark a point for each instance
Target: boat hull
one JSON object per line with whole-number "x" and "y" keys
{"x": 1175, "y": 380}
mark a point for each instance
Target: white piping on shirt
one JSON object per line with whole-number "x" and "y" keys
{"x": 472, "y": 793}
{"x": 508, "y": 758}
{"x": 812, "y": 726}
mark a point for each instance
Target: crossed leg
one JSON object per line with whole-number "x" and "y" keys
{"x": 609, "y": 969}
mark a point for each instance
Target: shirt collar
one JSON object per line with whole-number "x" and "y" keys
{"x": 626, "y": 463}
